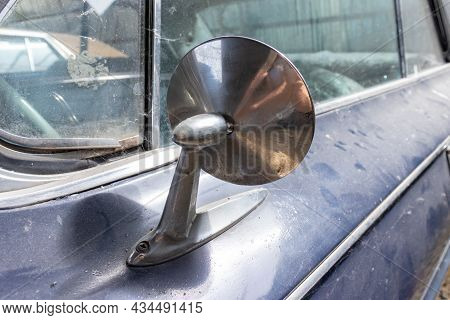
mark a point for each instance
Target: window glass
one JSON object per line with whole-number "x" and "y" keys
{"x": 422, "y": 47}
{"x": 72, "y": 69}
{"x": 340, "y": 47}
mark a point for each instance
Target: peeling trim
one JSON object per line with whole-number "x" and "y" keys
{"x": 339, "y": 251}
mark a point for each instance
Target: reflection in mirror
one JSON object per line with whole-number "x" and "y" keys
{"x": 72, "y": 69}
{"x": 260, "y": 93}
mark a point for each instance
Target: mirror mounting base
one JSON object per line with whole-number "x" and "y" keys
{"x": 209, "y": 222}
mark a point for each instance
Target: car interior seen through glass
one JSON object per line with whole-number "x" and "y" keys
{"x": 72, "y": 69}
{"x": 341, "y": 47}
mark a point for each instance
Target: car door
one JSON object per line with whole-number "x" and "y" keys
{"x": 366, "y": 215}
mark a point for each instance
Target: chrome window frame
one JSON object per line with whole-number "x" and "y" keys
{"x": 61, "y": 185}
{"x": 155, "y": 70}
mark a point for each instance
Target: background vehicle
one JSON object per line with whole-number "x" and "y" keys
{"x": 366, "y": 215}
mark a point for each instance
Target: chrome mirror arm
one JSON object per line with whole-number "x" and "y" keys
{"x": 168, "y": 239}
{"x": 180, "y": 208}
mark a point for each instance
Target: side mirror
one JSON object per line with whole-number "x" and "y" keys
{"x": 242, "y": 112}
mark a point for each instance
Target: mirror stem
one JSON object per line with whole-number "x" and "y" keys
{"x": 172, "y": 237}
{"x": 180, "y": 209}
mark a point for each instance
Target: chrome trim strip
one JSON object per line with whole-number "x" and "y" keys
{"x": 333, "y": 257}
{"x": 352, "y": 99}
{"x": 44, "y": 178}
{"x": 400, "y": 37}
{"x": 156, "y": 97}
{"x": 90, "y": 178}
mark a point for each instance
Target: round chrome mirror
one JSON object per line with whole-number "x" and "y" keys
{"x": 262, "y": 96}
{"x": 243, "y": 113}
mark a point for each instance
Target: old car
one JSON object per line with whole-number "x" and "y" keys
{"x": 224, "y": 149}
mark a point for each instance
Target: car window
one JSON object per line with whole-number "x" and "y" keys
{"x": 422, "y": 47}
{"x": 340, "y": 47}
{"x": 72, "y": 69}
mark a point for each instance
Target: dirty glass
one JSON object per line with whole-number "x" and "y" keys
{"x": 422, "y": 47}
{"x": 340, "y": 47}
{"x": 72, "y": 69}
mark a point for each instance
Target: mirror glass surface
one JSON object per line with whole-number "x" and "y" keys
{"x": 260, "y": 92}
